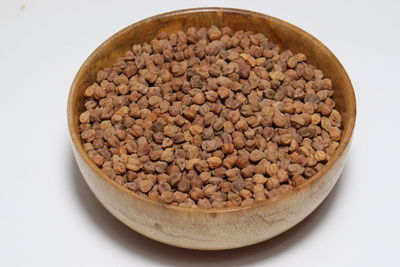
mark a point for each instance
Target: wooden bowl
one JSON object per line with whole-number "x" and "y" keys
{"x": 213, "y": 229}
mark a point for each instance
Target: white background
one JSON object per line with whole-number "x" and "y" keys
{"x": 48, "y": 216}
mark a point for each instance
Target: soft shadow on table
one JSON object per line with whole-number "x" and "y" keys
{"x": 129, "y": 240}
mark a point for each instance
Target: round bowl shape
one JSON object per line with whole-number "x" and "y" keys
{"x": 213, "y": 229}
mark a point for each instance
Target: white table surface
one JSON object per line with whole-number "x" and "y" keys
{"x": 48, "y": 216}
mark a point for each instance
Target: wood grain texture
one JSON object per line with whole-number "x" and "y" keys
{"x": 213, "y": 229}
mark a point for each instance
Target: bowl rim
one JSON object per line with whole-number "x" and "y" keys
{"x": 344, "y": 142}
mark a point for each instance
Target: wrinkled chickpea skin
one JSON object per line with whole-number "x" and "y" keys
{"x": 210, "y": 118}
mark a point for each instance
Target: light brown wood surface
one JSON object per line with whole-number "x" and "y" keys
{"x": 213, "y": 229}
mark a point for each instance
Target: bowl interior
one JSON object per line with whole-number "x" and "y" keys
{"x": 278, "y": 31}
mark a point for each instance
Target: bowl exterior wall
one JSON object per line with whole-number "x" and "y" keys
{"x": 211, "y": 230}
